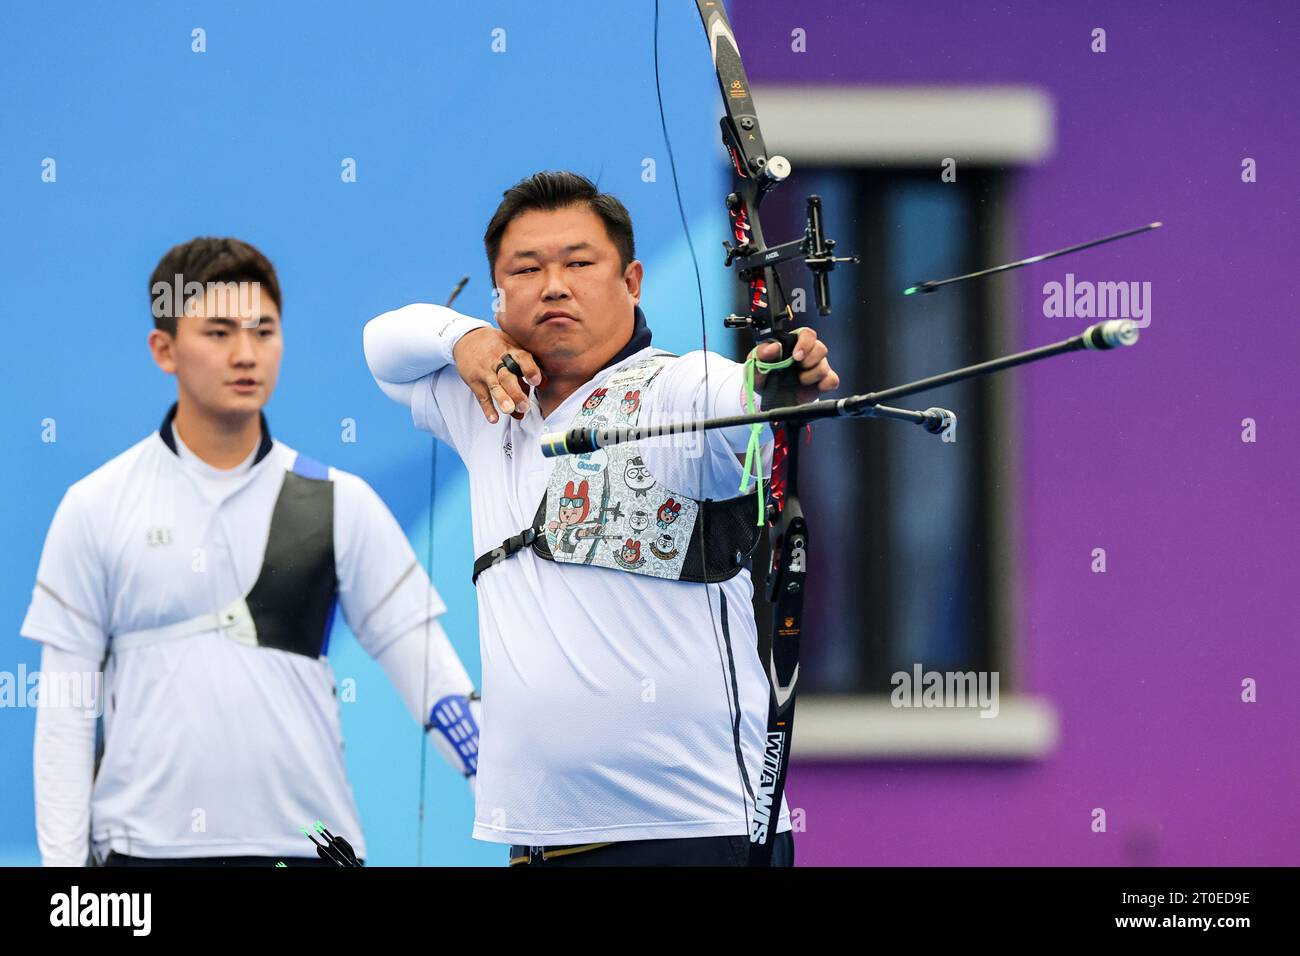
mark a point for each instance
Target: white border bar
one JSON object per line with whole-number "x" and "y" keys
{"x": 867, "y": 727}
{"x": 992, "y": 125}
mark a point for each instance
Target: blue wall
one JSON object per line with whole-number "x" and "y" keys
{"x": 155, "y": 144}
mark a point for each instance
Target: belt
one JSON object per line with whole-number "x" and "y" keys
{"x": 528, "y": 854}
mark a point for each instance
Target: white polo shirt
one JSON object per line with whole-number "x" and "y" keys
{"x": 214, "y": 747}
{"x": 607, "y": 696}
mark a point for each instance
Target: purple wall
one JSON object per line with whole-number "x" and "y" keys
{"x": 1140, "y": 454}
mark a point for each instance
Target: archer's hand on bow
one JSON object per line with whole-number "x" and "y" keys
{"x": 481, "y": 361}
{"x": 810, "y": 356}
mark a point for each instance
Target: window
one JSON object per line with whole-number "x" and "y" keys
{"x": 908, "y": 533}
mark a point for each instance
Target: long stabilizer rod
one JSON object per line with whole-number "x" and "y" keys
{"x": 1103, "y": 336}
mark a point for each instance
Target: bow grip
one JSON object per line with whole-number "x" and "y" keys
{"x": 780, "y": 388}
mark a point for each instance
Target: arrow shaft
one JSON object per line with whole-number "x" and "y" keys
{"x": 939, "y": 283}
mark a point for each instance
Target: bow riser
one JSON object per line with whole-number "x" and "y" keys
{"x": 770, "y": 318}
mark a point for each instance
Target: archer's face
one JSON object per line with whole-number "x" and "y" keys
{"x": 562, "y": 261}
{"x": 226, "y": 359}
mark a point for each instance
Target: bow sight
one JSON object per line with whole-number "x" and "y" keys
{"x": 750, "y": 259}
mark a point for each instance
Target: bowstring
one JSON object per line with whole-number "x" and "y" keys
{"x": 425, "y": 721}
{"x": 428, "y": 636}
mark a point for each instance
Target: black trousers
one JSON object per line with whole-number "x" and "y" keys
{"x": 121, "y": 859}
{"x": 698, "y": 851}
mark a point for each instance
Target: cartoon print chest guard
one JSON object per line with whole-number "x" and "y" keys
{"x": 605, "y": 509}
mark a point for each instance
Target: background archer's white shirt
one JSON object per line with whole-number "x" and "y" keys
{"x": 213, "y": 747}
{"x": 607, "y": 708}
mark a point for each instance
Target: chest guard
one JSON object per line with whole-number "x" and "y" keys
{"x": 294, "y": 600}
{"x": 604, "y": 509}
{"x": 291, "y": 606}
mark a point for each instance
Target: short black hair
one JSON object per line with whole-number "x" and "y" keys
{"x": 210, "y": 259}
{"x": 551, "y": 190}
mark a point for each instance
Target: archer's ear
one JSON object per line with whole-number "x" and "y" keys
{"x": 632, "y": 277}
{"x": 163, "y": 349}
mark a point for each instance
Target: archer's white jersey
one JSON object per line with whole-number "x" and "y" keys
{"x": 608, "y": 709}
{"x": 212, "y": 747}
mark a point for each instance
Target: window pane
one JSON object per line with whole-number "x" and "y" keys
{"x": 899, "y": 519}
